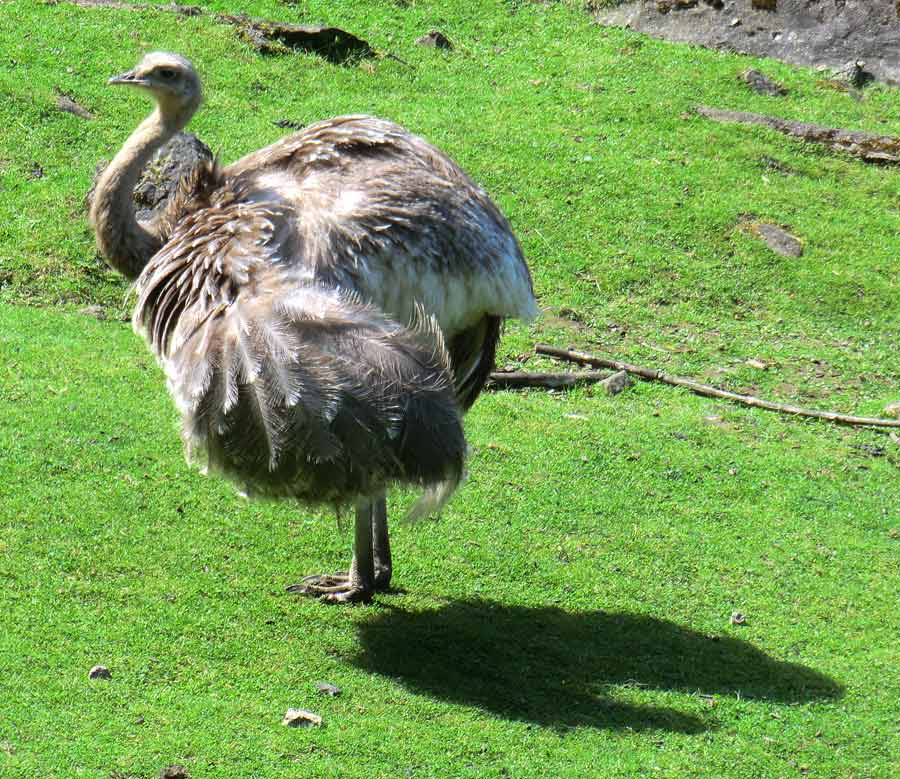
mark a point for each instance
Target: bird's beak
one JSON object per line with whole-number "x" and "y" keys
{"x": 130, "y": 77}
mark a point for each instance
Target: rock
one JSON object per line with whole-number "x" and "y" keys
{"x": 327, "y": 688}
{"x": 99, "y": 672}
{"x": 570, "y": 313}
{"x": 301, "y": 718}
{"x": 797, "y": 31}
{"x": 616, "y": 383}
{"x": 871, "y": 450}
{"x": 778, "y": 239}
{"x": 893, "y": 409}
{"x": 98, "y": 312}
{"x": 664, "y": 6}
{"x": 436, "y": 40}
{"x": 759, "y": 83}
{"x": 770, "y": 163}
{"x": 854, "y": 74}
{"x": 174, "y": 772}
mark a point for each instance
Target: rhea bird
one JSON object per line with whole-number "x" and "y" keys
{"x": 325, "y": 309}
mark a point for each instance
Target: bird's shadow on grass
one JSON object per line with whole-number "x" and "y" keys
{"x": 553, "y": 667}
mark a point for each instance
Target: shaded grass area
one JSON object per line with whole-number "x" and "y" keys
{"x": 569, "y": 614}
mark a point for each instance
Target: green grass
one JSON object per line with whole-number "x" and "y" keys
{"x": 569, "y": 616}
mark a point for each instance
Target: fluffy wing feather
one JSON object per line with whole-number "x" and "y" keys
{"x": 289, "y": 387}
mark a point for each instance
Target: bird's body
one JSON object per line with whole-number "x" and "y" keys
{"x": 324, "y": 308}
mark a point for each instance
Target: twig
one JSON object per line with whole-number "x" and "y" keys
{"x": 520, "y": 379}
{"x": 867, "y": 146}
{"x": 389, "y": 56}
{"x": 704, "y": 389}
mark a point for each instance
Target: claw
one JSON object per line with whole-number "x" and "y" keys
{"x": 331, "y": 588}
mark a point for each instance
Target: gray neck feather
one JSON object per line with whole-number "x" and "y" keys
{"x": 126, "y": 243}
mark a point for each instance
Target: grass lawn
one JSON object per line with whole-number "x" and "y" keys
{"x": 569, "y": 614}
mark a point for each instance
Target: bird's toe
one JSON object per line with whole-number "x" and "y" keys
{"x": 348, "y": 595}
{"x": 333, "y": 588}
{"x": 321, "y": 583}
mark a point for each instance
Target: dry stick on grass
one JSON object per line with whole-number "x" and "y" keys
{"x": 704, "y": 389}
{"x": 520, "y": 379}
{"x": 867, "y": 146}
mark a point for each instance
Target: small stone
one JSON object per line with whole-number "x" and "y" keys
{"x": 99, "y": 672}
{"x": 173, "y": 772}
{"x": 301, "y": 718}
{"x": 761, "y": 84}
{"x": 570, "y": 313}
{"x": 737, "y": 618}
{"x": 734, "y": 22}
{"x": 778, "y": 239}
{"x": 758, "y": 364}
{"x": 616, "y": 383}
{"x": 327, "y": 688}
{"x": 436, "y": 40}
{"x": 871, "y": 450}
{"x": 854, "y": 73}
{"x": 893, "y": 409}
{"x": 98, "y": 312}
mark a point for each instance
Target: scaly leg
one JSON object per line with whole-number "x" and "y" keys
{"x": 359, "y": 585}
{"x": 381, "y": 544}
{"x": 344, "y": 587}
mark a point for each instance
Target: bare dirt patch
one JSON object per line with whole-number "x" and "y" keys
{"x": 830, "y": 33}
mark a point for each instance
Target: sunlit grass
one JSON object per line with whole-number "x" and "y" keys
{"x": 569, "y": 615}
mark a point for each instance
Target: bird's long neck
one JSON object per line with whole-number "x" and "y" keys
{"x": 126, "y": 243}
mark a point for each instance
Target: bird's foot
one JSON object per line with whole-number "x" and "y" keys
{"x": 332, "y": 588}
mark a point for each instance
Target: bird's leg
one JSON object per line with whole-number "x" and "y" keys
{"x": 381, "y": 544}
{"x": 358, "y": 585}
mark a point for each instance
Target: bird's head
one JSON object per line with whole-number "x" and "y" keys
{"x": 170, "y": 79}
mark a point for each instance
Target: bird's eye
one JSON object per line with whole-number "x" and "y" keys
{"x": 166, "y": 73}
